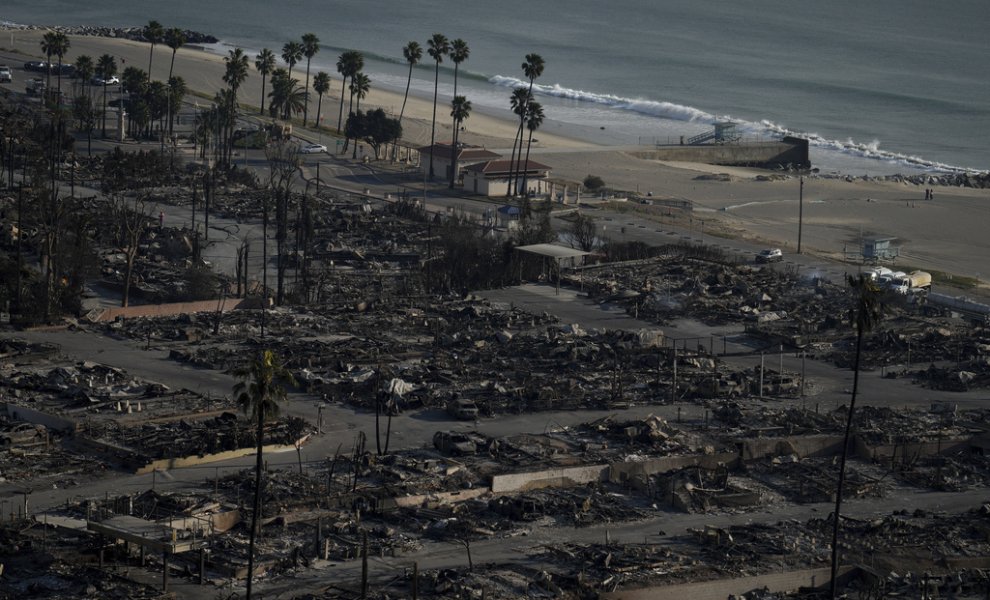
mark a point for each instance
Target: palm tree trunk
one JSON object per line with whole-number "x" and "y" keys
{"x": 433, "y": 125}
{"x": 263, "y": 78}
{"x": 306, "y": 105}
{"x": 513, "y": 160}
{"x": 319, "y": 109}
{"x": 406, "y": 97}
{"x": 842, "y": 465}
{"x": 453, "y": 155}
{"x": 343, "y": 90}
{"x": 456, "y": 65}
{"x": 255, "y": 521}
{"x": 104, "y": 107}
{"x": 525, "y": 167}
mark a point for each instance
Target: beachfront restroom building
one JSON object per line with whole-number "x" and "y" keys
{"x": 443, "y": 161}
{"x": 481, "y": 171}
{"x": 491, "y": 178}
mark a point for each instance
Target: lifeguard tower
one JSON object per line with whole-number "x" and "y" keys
{"x": 725, "y": 132}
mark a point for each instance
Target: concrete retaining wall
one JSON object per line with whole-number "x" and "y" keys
{"x": 190, "y": 461}
{"x": 721, "y": 589}
{"x": 165, "y": 310}
{"x": 563, "y": 477}
{"x": 789, "y": 151}
{"x": 803, "y": 446}
{"x": 30, "y": 415}
{"x": 622, "y": 472}
{"x": 906, "y": 452}
{"x": 440, "y": 498}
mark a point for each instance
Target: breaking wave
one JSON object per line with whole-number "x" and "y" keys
{"x": 869, "y": 150}
{"x": 666, "y": 110}
{"x": 765, "y": 128}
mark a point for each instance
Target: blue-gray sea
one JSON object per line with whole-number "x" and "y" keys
{"x": 882, "y": 86}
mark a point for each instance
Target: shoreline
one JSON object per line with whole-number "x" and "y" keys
{"x": 629, "y": 116}
{"x": 947, "y": 234}
{"x": 202, "y": 71}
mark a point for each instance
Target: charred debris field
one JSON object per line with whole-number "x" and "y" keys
{"x": 435, "y": 442}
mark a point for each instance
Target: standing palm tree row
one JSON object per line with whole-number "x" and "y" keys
{"x": 460, "y": 110}
{"x": 349, "y": 64}
{"x": 532, "y": 68}
{"x": 235, "y": 72}
{"x": 310, "y": 46}
{"x": 360, "y": 85}
{"x": 54, "y": 43}
{"x": 518, "y": 101}
{"x": 437, "y": 47}
{"x": 260, "y": 391}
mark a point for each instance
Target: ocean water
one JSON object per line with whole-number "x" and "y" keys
{"x": 879, "y": 87}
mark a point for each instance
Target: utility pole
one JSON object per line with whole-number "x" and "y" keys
{"x": 800, "y": 213}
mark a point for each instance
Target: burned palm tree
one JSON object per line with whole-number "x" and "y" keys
{"x": 865, "y": 313}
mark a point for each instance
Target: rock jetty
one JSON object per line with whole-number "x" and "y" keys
{"x": 127, "y": 33}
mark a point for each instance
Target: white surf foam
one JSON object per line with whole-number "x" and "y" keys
{"x": 668, "y": 110}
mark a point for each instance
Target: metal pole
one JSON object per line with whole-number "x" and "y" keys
{"x": 264, "y": 266}
{"x": 780, "y": 373}
{"x": 673, "y": 388}
{"x": 802, "y": 375}
{"x": 762, "y": 363}
{"x": 800, "y": 213}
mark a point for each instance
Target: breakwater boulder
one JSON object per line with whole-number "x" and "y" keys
{"x": 127, "y": 33}
{"x": 969, "y": 180}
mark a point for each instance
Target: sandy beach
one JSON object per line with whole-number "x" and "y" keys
{"x": 947, "y": 234}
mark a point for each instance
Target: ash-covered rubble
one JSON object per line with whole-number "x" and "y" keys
{"x": 103, "y": 413}
{"x": 395, "y": 504}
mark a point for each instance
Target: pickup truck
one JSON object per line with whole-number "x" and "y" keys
{"x": 35, "y": 87}
{"x": 5, "y": 74}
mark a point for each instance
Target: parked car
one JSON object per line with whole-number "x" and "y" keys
{"x": 455, "y": 443}
{"x": 5, "y": 74}
{"x": 312, "y": 148}
{"x": 462, "y": 408}
{"x": 36, "y": 65}
{"x": 770, "y": 255}
{"x": 65, "y": 70}
{"x": 23, "y": 434}
{"x": 112, "y": 80}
